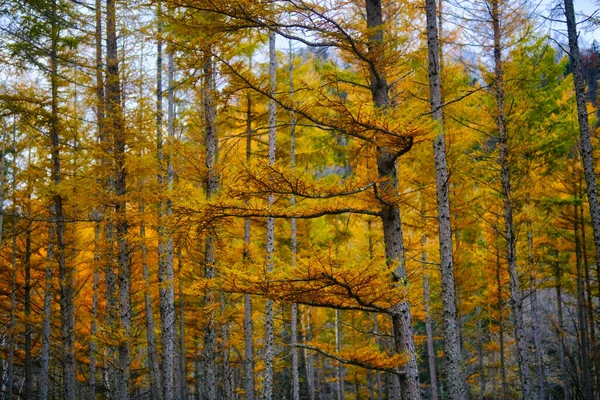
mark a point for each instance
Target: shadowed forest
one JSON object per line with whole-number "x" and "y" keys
{"x": 299, "y": 199}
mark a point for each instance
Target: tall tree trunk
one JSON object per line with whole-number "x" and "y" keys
{"x": 294, "y": 242}
{"x": 584, "y": 132}
{"x": 515, "y": 289}
{"x": 28, "y": 327}
{"x": 501, "y": 325}
{"x": 581, "y": 311}
{"x": 165, "y": 251}
{"x": 561, "y": 329}
{"x": 114, "y": 114}
{"x": 457, "y": 388}
{"x": 269, "y": 349}
{"x": 13, "y": 280}
{"x": 531, "y": 266}
{"x": 65, "y": 273}
{"x": 390, "y": 215}
{"x": 99, "y": 214}
{"x": 339, "y": 369}
{"x": 182, "y": 368}
{"x": 212, "y": 184}
{"x": 482, "y": 381}
{"x": 306, "y": 335}
{"x": 153, "y": 364}
{"x": 248, "y": 339}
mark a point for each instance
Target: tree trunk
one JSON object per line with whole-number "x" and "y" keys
{"x": 13, "y": 281}
{"x": 581, "y": 318}
{"x": 248, "y": 339}
{"x": 457, "y": 388}
{"x": 515, "y": 289}
{"x": 501, "y": 326}
{"x": 481, "y": 366}
{"x": 28, "y": 327}
{"x": 165, "y": 251}
{"x": 584, "y": 132}
{"x": 182, "y": 359}
{"x": 294, "y": 242}
{"x": 153, "y": 365}
{"x": 561, "y": 329}
{"x": 269, "y": 349}
{"x": 390, "y": 216}
{"x": 339, "y": 369}
{"x": 306, "y": 335}
{"x": 212, "y": 183}
{"x": 114, "y": 115}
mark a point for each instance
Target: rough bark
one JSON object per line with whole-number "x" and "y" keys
{"x": 501, "y": 326}
{"x": 535, "y": 330}
{"x": 585, "y": 144}
{"x": 212, "y": 182}
{"x": 390, "y": 214}
{"x": 13, "y": 286}
{"x": 27, "y": 297}
{"x": 306, "y": 335}
{"x": 581, "y": 312}
{"x": 561, "y": 329}
{"x": 294, "y": 242}
{"x": 182, "y": 369}
{"x": 248, "y": 326}
{"x": 509, "y": 232}
{"x": 339, "y": 369}
{"x": 269, "y": 349}
{"x": 457, "y": 388}
{"x": 114, "y": 115}
{"x": 153, "y": 364}
{"x": 165, "y": 251}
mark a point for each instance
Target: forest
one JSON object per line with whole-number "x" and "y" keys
{"x": 299, "y": 199}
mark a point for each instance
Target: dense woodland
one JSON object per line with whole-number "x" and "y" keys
{"x": 298, "y": 199}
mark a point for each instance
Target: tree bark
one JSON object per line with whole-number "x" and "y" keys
{"x": 269, "y": 349}
{"x": 586, "y": 149}
{"x": 212, "y": 183}
{"x": 561, "y": 329}
{"x": 457, "y": 388}
{"x": 501, "y": 325}
{"x": 114, "y": 114}
{"x": 294, "y": 242}
{"x": 390, "y": 215}
{"x": 28, "y": 327}
{"x": 248, "y": 327}
{"x": 515, "y": 289}
{"x": 581, "y": 311}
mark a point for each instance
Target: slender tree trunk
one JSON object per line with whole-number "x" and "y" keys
{"x": 294, "y": 242}
{"x": 165, "y": 253}
{"x": 581, "y": 311}
{"x": 561, "y": 329}
{"x": 457, "y": 388}
{"x": 248, "y": 339}
{"x": 269, "y": 349}
{"x": 114, "y": 115}
{"x": 584, "y": 132}
{"x": 501, "y": 326}
{"x": 390, "y": 215}
{"x": 306, "y": 335}
{"x": 481, "y": 366}
{"x": 28, "y": 327}
{"x": 153, "y": 364}
{"x": 212, "y": 184}
{"x": 13, "y": 281}
{"x": 515, "y": 289}
{"x": 339, "y": 369}
{"x": 378, "y": 380}
{"x": 183, "y": 371}
{"x": 428, "y": 322}
{"x": 100, "y": 115}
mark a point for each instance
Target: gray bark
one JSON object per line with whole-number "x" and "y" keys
{"x": 28, "y": 327}
{"x": 248, "y": 340}
{"x": 155, "y": 383}
{"x": 306, "y": 334}
{"x": 561, "y": 329}
{"x": 269, "y": 349}
{"x": 114, "y": 114}
{"x": 165, "y": 250}
{"x": 13, "y": 282}
{"x": 501, "y": 326}
{"x": 586, "y": 149}
{"x": 182, "y": 368}
{"x": 390, "y": 215}
{"x": 581, "y": 313}
{"x": 339, "y": 369}
{"x": 294, "y": 243}
{"x": 429, "y": 331}
{"x": 515, "y": 289}
{"x": 94, "y": 310}
{"x": 210, "y": 143}
{"x": 457, "y": 388}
